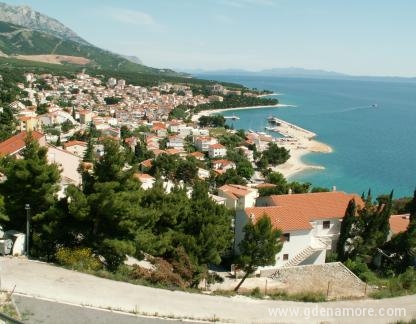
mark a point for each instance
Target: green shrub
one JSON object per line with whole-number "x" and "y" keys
{"x": 81, "y": 259}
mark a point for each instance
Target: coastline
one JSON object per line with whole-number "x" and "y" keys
{"x": 297, "y": 140}
{"x": 213, "y": 111}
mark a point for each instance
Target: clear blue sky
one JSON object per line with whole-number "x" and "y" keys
{"x": 360, "y": 37}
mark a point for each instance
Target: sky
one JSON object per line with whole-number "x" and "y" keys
{"x": 357, "y": 37}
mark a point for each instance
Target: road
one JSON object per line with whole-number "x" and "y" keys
{"x": 47, "y": 281}
{"x": 34, "y": 310}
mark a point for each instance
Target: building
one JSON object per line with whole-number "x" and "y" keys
{"x": 146, "y": 180}
{"x": 220, "y": 166}
{"x": 398, "y": 223}
{"x": 77, "y": 148}
{"x": 15, "y": 144}
{"x": 28, "y": 123}
{"x": 202, "y": 143}
{"x": 216, "y": 150}
{"x": 238, "y": 197}
{"x": 85, "y": 117}
{"x": 310, "y": 224}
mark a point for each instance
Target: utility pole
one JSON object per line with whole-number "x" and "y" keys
{"x": 27, "y": 207}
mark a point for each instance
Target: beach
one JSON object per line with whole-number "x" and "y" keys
{"x": 297, "y": 140}
{"x": 215, "y": 111}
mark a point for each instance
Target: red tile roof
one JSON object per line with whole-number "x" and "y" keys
{"x": 285, "y": 218}
{"x": 318, "y": 205}
{"x": 72, "y": 143}
{"x": 16, "y": 143}
{"x": 399, "y": 223}
{"x": 216, "y": 146}
{"x": 296, "y": 211}
{"x": 235, "y": 191}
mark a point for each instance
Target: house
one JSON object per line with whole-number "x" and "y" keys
{"x": 160, "y": 130}
{"x": 398, "y": 223}
{"x": 310, "y": 224}
{"x": 15, "y": 144}
{"x": 216, "y": 150}
{"x": 238, "y": 197}
{"x": 77, "y": 148}
{"x": 198, "y": 155}
{"x": 203, "y": 173}
{"x": 85, "y": 117}
{"x": 175, "y": 142}
{"x": 249, "y": 154}
{"x": 220, "y": 166}
{"x": 67, "y": 162}
{"x": 146, "y": 180}
{"x": 202, "y": 143}
{"x": 28, "y": 123}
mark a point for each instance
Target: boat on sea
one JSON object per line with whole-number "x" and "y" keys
{"x": 233, "y": 117}
{"x": 374, "y": 105}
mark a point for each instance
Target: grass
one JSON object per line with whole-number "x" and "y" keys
{"x": 9, "y": 310}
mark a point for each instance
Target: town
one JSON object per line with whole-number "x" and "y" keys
{"x": 100, "y": 134}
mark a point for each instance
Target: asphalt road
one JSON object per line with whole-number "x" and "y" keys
{"x": 43, "y": 280}
{"x": 38, "y": 311}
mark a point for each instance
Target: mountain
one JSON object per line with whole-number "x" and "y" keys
{"x": 132, "y": 58}
{"x": 27, "y": 17}
{"x": 300, "y": 72}
{"x": 278, "y": 72}
{"x": 24, "y": 43}
{"x": 29, "y": 35}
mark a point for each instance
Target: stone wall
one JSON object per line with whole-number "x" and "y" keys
{"x": 332, "y": 279}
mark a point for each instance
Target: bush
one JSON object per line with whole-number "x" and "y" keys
{"x": 81, "y": 259}
{"x": 361, "y": 270}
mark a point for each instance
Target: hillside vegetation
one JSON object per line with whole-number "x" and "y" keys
{"x": 18, "y": 40}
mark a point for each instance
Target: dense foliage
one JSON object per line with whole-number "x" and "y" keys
{"x": 111, "y": 215}
{"x": 232, "y": 100}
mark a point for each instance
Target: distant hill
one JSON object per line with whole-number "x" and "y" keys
{"x": 294, "y": 72}
{"x": 282, "y": 72}
{"x": 24, "y": 43}
{"x": 29, "y": 18}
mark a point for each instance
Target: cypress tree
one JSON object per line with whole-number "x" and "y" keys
{"x": 345, "y": 231}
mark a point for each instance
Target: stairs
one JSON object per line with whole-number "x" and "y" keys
{"x": 302, "y": 255}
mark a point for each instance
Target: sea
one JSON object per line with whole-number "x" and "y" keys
{"x": 370, "y": 125}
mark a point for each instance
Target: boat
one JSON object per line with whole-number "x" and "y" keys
{"x": 233, "y": 117}
{"x": 374, "y": 105}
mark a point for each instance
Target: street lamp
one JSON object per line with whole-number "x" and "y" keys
{"x": 27, "y": 207}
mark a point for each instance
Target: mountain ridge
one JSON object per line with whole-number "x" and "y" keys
{"x": 27, "y": 17}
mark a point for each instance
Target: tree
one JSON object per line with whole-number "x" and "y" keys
{"x": 230, "y": 176}
{"x": 187, "y": 170}
{"x": 31, "y": 180}
{"x": 259, "y": 247}
{"x": 345, "y": 231}
{"x": 410, "y": 236}
{"x": 7, "y": 123}
{"x": 275, "y": 155}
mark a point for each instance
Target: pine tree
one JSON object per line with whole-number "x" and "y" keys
{"x": 259, "y": 247}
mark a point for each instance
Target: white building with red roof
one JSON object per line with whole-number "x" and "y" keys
{"x": 310, "y": 224}
{"x": 216, "y": 151}
{"x": 238, "y": 197}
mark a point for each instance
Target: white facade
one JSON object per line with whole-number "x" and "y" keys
{"x": 216, "y": 150}
{"x": 203, "y": 143}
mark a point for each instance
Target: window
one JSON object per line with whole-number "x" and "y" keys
{"x": 326, "y": 224}
{"x": 286, "y": 237}
{"x": 285, "y": 257}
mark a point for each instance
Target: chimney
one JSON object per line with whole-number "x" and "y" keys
{"x": 334, "y": 188}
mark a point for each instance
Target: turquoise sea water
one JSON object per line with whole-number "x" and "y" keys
{"x": 374, "y": 147}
